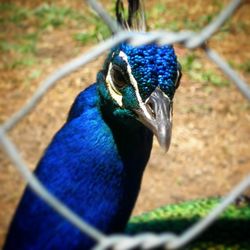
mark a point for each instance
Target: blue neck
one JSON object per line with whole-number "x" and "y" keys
{"x": 94, "y": 164}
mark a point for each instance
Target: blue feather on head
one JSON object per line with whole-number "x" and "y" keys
{"x": 152, "y": 66}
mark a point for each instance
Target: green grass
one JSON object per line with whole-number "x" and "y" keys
{"x": 18, "y": 62}
{"x": 44, "y": 16}
{"x": 11, "y": 13}
{"x": 24, "y": 44}
{"x": 98, "y": 32}
{"x": 244, "y": 66}
{"x": 180, "y": 19}
{"x": 34, "y": 74}
{"x": 193, "y": 67}
{"x": 53, "y": 16}
{"x": 29, "y": 24}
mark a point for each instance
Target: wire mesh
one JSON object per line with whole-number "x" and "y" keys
{"x": 187, "y": 39}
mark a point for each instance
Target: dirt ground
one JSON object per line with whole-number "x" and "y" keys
{"x": 209, "y": 153}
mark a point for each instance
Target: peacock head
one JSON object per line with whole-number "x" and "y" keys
{"x": 141, "y": 81}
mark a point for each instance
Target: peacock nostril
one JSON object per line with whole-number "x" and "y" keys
{"x": 150, "y": 106}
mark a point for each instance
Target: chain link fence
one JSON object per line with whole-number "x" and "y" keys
{"x": 187, "y": 39}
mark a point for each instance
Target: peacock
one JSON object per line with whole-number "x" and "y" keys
{"x": 95, "y": 162}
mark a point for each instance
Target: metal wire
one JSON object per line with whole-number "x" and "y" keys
{"x": 112, "y": 24}
{"x": 187, "y": 39}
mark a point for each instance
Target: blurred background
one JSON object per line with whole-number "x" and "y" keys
{"x": 210, "y": 146}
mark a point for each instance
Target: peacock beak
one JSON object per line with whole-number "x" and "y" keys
{"x": 156, "y": 114}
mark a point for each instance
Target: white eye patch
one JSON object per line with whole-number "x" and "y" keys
{"x": 134, "y": 84}
{"x": 114, "y": 92}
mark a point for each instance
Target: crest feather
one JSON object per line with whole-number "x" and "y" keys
{"x": 134, "y": 17}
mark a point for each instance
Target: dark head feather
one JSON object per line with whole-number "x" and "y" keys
{"x": 135, "y": 18}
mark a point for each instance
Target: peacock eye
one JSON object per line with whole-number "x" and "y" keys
{"x": 118, "y": 78}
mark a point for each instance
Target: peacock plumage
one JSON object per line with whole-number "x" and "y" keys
{"x": 95, "y": 162}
